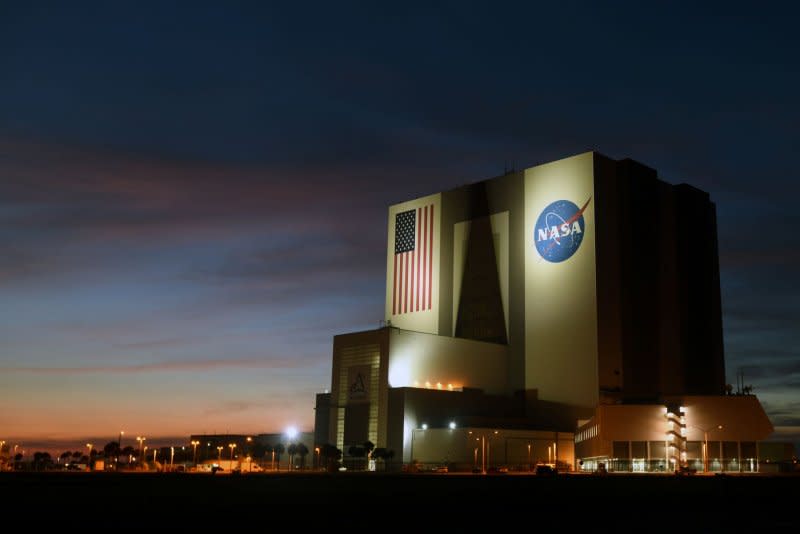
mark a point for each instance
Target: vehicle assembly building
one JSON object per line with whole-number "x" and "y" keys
{"x": 568, "y": 313}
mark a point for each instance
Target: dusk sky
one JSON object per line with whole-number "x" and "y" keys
{"x": 193, "y": 198}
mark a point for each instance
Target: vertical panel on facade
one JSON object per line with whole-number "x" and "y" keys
{"x": 413, "y": 264}
{"x": 500, "y": 247}
{"x": 560, "y": 281}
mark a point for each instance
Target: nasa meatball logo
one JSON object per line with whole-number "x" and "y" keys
{"x": 559, "y": 230}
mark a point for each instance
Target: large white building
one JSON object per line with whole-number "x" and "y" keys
{"x": 563, "y": 302}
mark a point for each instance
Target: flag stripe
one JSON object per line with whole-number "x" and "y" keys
{"x": 416, "y": 271}
{"x": 394, "y": 287}
{"x": 424, "y": 269}
{"x": 405, "y": 289}
{"x": 430, "y": 259}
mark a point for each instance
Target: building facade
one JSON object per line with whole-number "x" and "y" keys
{"x": 532, "y": 300}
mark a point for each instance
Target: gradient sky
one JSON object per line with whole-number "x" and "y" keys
{"x": 193, "y": 197}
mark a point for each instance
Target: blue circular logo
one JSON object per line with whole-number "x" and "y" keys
{"x": 559, "y": 230}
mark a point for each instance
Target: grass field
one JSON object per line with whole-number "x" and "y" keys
{"x": 369, "y": 502}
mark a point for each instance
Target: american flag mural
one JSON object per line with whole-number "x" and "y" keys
{"x": 413, "y": 260}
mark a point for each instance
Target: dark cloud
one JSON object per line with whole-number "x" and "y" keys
{"x": 783, "y": 414}
{"x": 271, "y": 362}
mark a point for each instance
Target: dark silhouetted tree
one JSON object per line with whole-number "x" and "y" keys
{"x": 368, "y": 448}
{"x": 302, "y": 452}
{"x": 384, "y": 454}
{"x": 111, "y": 450}
{"x": 292, "y": 450}
{"x": 329, "y": 456}
{"x": 279, "y": 449}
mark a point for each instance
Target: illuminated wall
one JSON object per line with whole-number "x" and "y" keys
{"x": 438, "y": 362}
{"x": 560, "y": 289}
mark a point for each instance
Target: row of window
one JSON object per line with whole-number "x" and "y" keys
{"x": 586, "y": 433}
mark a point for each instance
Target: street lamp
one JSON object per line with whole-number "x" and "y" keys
{"x": 219, "y": 450}
{"x": 413, "y": 432}
{"x": 529, "y": 456}
{"x": 194, "y": 455}
{"x": 89, "y": 456}
{"x": 232, "y": 446}
{"x": 119, "y": 447}
{"x": 705, "y": 444}
{"x": 485, "y": 447}
{"x": 316, "y": 451}
{"x": 141, "y": 439}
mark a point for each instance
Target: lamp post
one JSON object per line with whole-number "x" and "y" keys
{"x": 316, "y": 451}
{"x": 232, "y": 446}
{"x": 529, "y": 456}
{"x": 705, "y": 444}
{"x": 413, "y": 432}
{"x": 219, "y": 450}
{"x": 119, "y": 447}
{"x": 141, "y": 439}
{"x": 194, "y": 454}
{"x": 171, "y": 457}
{"x": 89, "y": 456}
{"x": 485, "y": 446}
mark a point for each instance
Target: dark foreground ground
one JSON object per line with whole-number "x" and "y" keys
{"x": 373, "y": 502}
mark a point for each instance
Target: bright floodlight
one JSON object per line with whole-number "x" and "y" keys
{"x": 291, "y": 432}
{"x": 424, "y": 426}
{"x": 452, "y": 425}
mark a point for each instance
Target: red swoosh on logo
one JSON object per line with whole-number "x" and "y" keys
{"x": 571, "y": 220}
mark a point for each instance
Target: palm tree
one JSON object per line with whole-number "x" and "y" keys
{"x": 330, "y": 456}
{"x": 357, "y": 452}
{"x": 291, "y": 450}
{"x": 65, "y": 456}
{"x": 382, "y": 453}
{"x": 302, "y": 450}
{"x": 111, "y": 449}
{"x": 368, "y": 448}
{"x": 279, "y": 449}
